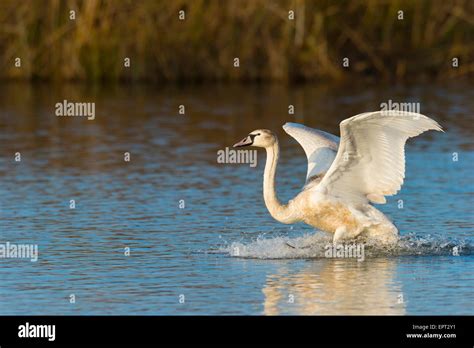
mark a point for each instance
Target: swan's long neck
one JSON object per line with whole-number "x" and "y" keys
{"x": 280, "y": 212}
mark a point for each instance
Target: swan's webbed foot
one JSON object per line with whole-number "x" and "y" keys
{"x": 297, "y": 247}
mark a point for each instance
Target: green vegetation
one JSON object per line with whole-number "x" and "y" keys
{"x": 203, "y": 46}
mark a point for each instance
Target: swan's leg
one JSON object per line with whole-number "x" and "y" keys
{"x": 343, "y": 233}
{"x": 340, "y": 234}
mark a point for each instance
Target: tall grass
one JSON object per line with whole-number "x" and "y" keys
{"x": 202, "y": 47}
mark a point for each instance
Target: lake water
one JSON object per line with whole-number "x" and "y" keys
{"x": 183, "y": 215}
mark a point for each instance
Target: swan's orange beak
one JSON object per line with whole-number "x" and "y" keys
{"x": 247, "y": 141}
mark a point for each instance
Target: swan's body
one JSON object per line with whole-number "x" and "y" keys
{"x": 344, "y": 176}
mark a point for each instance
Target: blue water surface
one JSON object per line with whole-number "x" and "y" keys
{"x": 181, "y": 215}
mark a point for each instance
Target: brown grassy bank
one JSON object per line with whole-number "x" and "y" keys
{"x": 268, "y": 44}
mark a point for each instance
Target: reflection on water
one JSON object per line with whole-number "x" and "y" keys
{"x": 136, "y": 204}
{"x": 334, "y": 288}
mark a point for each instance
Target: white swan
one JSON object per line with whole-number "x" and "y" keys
{"x": 344, "y": 176}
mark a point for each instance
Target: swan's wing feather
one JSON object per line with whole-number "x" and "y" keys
{"x": 370, "y": 162}
{"x": 320, "y": 147}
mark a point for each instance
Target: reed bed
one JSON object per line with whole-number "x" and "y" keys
{"x": 269, "y": 45}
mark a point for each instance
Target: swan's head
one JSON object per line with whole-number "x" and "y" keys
{"x": 259, "y": 138}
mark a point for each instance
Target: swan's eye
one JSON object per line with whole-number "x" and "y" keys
{"x": 252, "y": 136}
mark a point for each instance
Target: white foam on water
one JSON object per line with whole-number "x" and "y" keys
{"x": 315, "y": 245}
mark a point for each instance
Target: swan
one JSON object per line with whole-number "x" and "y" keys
{"x": 345, "y": 175}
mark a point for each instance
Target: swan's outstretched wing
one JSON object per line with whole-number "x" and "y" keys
{"x": 370, "y": 162}
{"x": 320, "y": 147}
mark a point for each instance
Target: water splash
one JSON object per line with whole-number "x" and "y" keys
{"x": 315, "y": 245}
